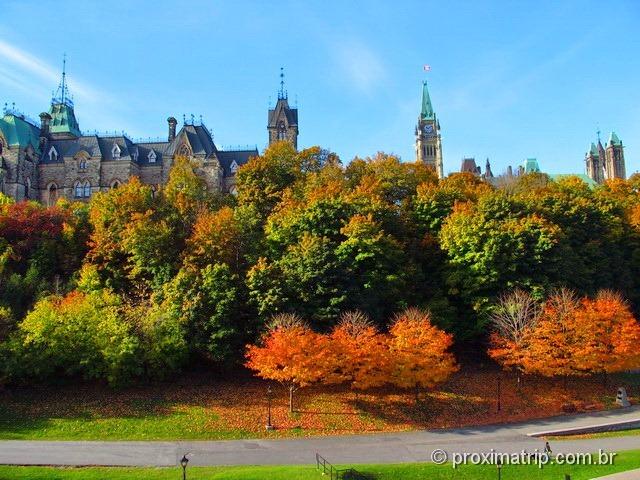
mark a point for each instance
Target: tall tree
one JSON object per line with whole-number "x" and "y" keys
{"x": 419, "y": 351}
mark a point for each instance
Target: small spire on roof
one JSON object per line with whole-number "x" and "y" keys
{"x": 282, "y": 94}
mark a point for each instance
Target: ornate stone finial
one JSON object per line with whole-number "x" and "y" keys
{"x": 192, "y": 119}
{"x": 184, "y": 119}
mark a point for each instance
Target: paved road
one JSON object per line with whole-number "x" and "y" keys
{"x": 378, "y": 448}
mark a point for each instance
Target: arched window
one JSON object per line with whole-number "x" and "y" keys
{"x": 115, "y": 184}
{"x": 86, "y": 191}
{"x": 282, "y": 131}
{"x": 77, "y": 190}
{"x": 233, "y": 167}
{"x": 82, "y": 165}
{"x": 115, "y": 151}
{"x": 184, "y": 151}
{"x": 53, "y": 154}
{"x": 52, "y": 194}
{"x": 27, "y": 188}
{"x": 152, "y": 157}
{"x": 233, "y": 190}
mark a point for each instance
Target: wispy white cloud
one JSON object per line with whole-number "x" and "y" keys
{"x": 14, "y": 59}
{"x": 25, "y": 74}
{"x": 359, "y": 65}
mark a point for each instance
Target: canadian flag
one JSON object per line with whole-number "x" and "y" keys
{"x": 427, "y": 68}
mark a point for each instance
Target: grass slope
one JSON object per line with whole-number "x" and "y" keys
{"x": 624, "y": 461}
{"x": 199, "y": 407}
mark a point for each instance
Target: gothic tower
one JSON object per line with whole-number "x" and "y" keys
{"x": 428, "y": 139}
{"x": 614, "y": 158}
{"x": 283, "y": 120}
{"x": 594, "y": 162}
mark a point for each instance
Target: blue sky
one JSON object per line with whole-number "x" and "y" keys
{"x": 509, "y": 80}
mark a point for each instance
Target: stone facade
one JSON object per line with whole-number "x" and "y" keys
{"x": 52, "y": 159}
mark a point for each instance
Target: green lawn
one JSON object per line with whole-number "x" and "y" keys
{"x": 189, "y": 422}
{"x": 624, "y": 461}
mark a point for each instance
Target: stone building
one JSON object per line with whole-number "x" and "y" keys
{"x": 428, "y": 139}
{"x": 53, "y": 158}
{"x": 605, "y": 163}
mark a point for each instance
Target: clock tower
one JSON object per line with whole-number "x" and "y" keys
{"x": 428, "y": 140}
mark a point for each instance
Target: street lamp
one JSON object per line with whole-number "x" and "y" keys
{"x": 499, "y": 465}
{"x": 184, "y": 461}
{"x": 269, "y": 396}
{"x": 499, "y": 379}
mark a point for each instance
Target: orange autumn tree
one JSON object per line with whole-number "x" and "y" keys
{"x": 609, "y": 334}
{"x": 550, "y": 348}
{"x": 361, "y": 352}
{"x": 583, "y": 337}
{"x": 419, "y": 351}
{"x": 292, "y": 354}
{"x": 513, "y": 318}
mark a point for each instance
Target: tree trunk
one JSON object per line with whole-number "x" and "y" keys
{"x": 604, "y": 381}
{"x": 566, "y": 383}
{"x": 417, "y": 393}
{"x": 291, "y": 398}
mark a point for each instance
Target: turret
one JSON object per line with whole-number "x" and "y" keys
{"x": 63, "y": 123}
{"x": 283, "y": 120}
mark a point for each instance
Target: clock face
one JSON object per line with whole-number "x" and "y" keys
{"x": 428, "y": 129}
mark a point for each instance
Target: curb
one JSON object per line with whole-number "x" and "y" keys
{"x": 602, "y": 427}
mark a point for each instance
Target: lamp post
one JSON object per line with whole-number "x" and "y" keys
{"x": 184, "y": 461}
{"x": 499, "y": 380}
{"x": 499, "y": 465}
{"x": 269, "y": 426}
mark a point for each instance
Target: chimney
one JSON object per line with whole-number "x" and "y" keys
{"x": 172, "y": 128}
{"x": 45, "y": 118}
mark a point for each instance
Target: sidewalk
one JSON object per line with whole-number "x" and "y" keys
{"x": 630, "y": 475}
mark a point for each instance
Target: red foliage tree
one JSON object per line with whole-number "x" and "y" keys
{"x": 292, "y": 354}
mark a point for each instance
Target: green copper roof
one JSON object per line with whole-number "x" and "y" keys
{"x": 427, "y": 109}
{"x": 585, "y": 178}
{"x": 63, "y": 119}
{"x": 17, "y": 131}
{"x": 531, "y": 165}
{"x": 614, "y": 140}
{"x": 594, "y": 150}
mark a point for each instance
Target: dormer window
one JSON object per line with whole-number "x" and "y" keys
{"x": 53, "y": 154}
{"x": 233, "y": 167}
{"x": 152, "y": 157}
{"x": 135, "y": 155}
{"x": 115, "y": 151}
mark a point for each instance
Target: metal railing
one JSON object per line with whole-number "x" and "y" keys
{"x": 333, "y": 472}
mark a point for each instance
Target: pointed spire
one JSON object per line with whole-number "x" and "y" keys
{"x": 282, "y": 93}
{"x": 62, "y": 96}
{"x": 614, "y": 140}
{"x": 427, "y": 108}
